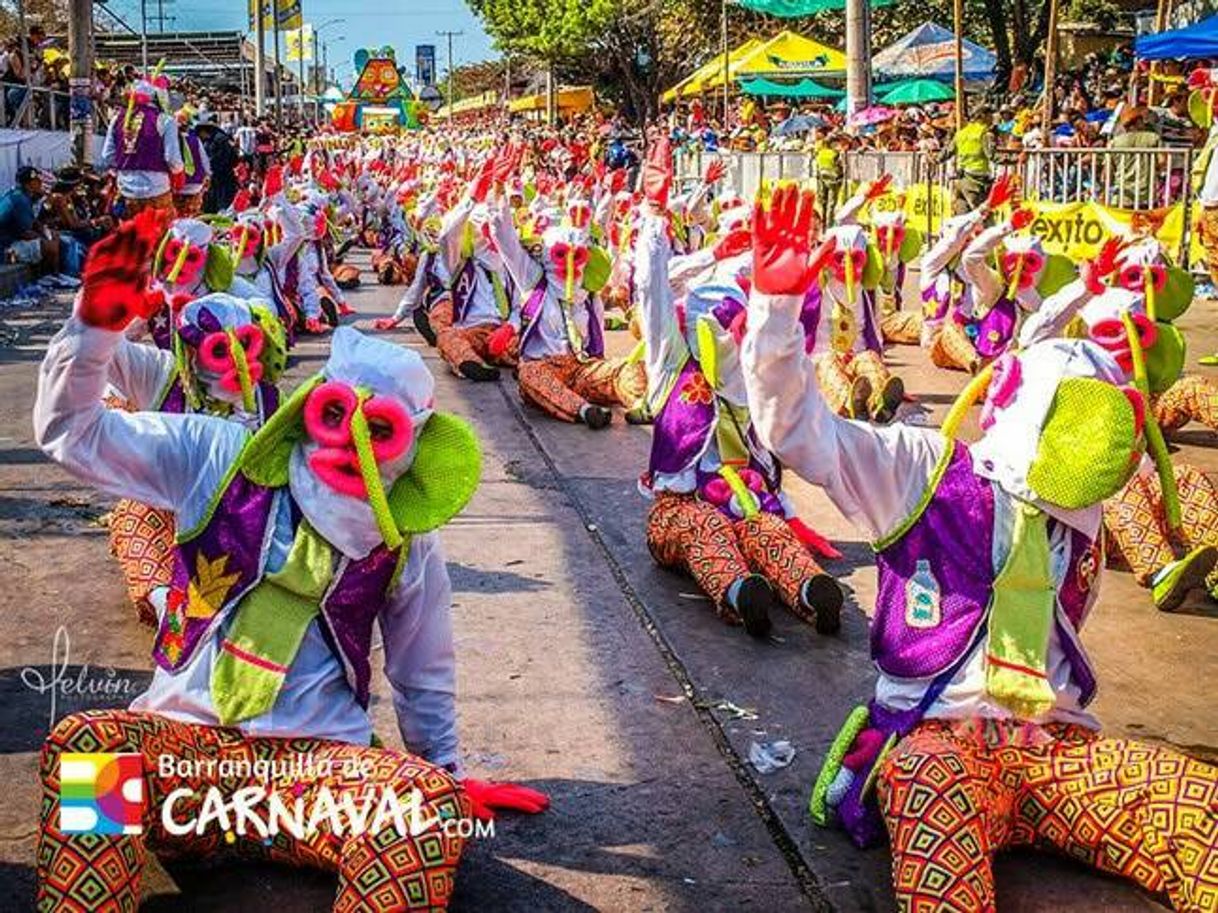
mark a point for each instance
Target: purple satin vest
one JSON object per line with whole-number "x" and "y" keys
{"x": 954, "y": 534}
{"x": 229, "y": 553}
{"x": 142, "y": 148}
{"x": 194, "y": 175}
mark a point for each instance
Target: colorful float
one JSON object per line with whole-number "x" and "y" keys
{"x": 380, "y": 101}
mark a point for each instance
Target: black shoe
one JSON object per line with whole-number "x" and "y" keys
{"x": 891, "y": 398}
{"x": 860, "y": 396}
{"x": 596, "y": 417}
{"x": 422, "y": 323}
{"x": 823, "y": 595}
{"x": 329, "y": 311}
{"x": 476, "y": 370}
{"x": 754, "y": 599}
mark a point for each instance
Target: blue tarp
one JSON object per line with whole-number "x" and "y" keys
{"x": 1199, "y": 40}
{"x": 929, "y": 52}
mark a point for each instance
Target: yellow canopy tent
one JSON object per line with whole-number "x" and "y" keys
{"x": 570, "y": 99}
{"x": 474, "y": 103}
{"x": 788, "y": 54}
{"x": 705, "y": 76}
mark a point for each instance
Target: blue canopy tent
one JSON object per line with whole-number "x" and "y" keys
{"x": 929, "y": 52}
{"x": 1198, "y": 40}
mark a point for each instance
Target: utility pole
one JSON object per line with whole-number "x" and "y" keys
{"x": 278, "y": 80}
{"x": 300, "y": 62}
{"x": 726, "y": 68}
{"x": 27, "y": 102}
{"x": 144, "y": 34}
{"x": 1046, "y": 116}
{"x": 961, "y": 100}
{"x": 858, "y": 56}
{"x": 80, "y": 81}
{"x": 259, "y": 60}
{"x": 450, "y": 36}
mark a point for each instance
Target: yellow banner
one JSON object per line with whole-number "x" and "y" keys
{"x": 1079, "y": 230}
{"x": 288, "y": 11}
{"x": 300, "y": 44}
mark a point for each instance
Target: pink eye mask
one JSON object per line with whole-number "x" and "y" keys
{"x": 327, "y": 420}
{"x": 253, "y": 239}
{"x": 1133, "y": 277}
{"x": 1004, "y": 384}
{"x": 215, "y": 354}
{"x": 1032, "y": 264}
{"x": 193, "y": 262}
{"x": 1110, "y": 334}
{"x": 558, "y": 256}
{"x": 890, "y": 237}
{"x": 857, "y": 260}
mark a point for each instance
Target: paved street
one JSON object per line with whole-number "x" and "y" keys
{"x": 584, "y": 671}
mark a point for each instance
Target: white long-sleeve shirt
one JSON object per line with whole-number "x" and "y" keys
{"x": 179, "y": 462}
{"x": 876, "y": 476}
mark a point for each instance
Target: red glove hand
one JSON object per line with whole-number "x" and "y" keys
{"x": 715, "y": 171}
{"x": 488, "y": 797}
{"x": 1093, "y": 272}
{"x": 1000, "y": 193}
{"x": 500, "y": 340}
{"x": 879, "y": 187}
{"x": 617, "y": 181}
{"x": 177, "y": 180}
{"x": 657, "y": 172}
{"x": 1201, "y": 78}
{"x": 782, "y": 240}
{"x": 274, "y": 182}
{"x": 1021, "y": 218}
{"x": 733, "y": 243}
{"x": 482, "y": 183}
{"x": 115, "y": 280}
{"x": 384, "y": 323}
{"x": 812, "y": 540}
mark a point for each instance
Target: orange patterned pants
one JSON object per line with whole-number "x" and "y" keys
{"x": 458, "y": 345}
{"x": 1207, "y": 225}
{"x": 952, "y": 349}
{"x": 837, "y": 374}
{"x": 562, "y": 384}
{"x": 902, "y": 328}
{"x": 141, "y": 538}
{"x": 955, "y": 793}
{"x": 379, "y": 870}
{"x": 1135, "y": 522}
{"x": 1193, "y": 398}
{"x": 689, "y": 535}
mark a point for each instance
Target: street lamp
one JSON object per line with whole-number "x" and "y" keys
{"x": 316, "y": 60}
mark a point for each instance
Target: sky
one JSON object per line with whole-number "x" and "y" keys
{"x": 402, "y": 24}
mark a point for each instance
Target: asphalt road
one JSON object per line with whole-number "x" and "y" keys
{"x": 584, "y": 671}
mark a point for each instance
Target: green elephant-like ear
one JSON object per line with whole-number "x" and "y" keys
{"x": 1177, "y": 294}
{"x": 266, "y": 457}
{"x": 274, "y": 355}
{"x": 911, "y": 247}
{"x": 1059, "y": 272}
{"x": 873, "y": 269}
{"x": 596, "y": 271}
{"x": 443, "y": 477}
{"x": 220, "y": 269}
{"x": 1200, "y": 109}
{"x": 1165, "y": 359}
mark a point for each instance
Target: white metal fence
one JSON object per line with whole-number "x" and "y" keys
{"x": 1141, "y": 179}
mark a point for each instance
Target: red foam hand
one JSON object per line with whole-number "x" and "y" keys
{"x": 500, "y": 340}
{"x": 505, "y": 165}
{"x": 1201, "y": 78}
{"x": 177, "y": 180}
{"x": 1000, "y": 193}
{"x": 733, "y": 243}
{"x": 879, "y": 187}
{"x": 115, "y": 280}
{"x": 657, "y": 172}
{"x": 812, "y": 540}
{"x": 782, "y": 240}
{"x": 296, "y": 164}
{"x": 482, "y": 183}
{"x": 1022, "y": 218}
{"x": 489, "y": 797}
{"x": 274, "y": 182}
{"x": 1093, "y": 271}
{"x": 715, "y": 171}
{"x": 241, "y": 202}
{"x": 617, "y": 180}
